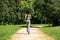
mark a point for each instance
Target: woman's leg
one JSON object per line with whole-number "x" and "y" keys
{"x": 28, "y": 27}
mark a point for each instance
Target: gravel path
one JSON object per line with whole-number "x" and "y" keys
{"x": 35, "y": 34}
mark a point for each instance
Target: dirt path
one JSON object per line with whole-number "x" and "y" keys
{"x": 35, "y": 34}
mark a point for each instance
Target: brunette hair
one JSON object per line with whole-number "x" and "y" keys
{"x": 27, "y": 12}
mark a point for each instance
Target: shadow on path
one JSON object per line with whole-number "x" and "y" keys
{"x": 20, "y": 33}
{"x": 30, "y": 27}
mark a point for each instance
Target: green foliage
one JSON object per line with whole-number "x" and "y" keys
{"x": 48, "y": 11}
{"x": 43, "y": 11}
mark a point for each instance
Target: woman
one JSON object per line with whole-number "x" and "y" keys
{"x": 28, "y": 21}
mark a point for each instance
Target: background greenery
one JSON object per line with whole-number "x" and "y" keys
{"x": 43, "y": 11}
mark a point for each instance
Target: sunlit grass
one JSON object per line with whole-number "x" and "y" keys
{"x": 52, "y": 31}
{"x": 7, "y": 30}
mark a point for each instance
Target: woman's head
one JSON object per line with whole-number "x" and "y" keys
{"x": 27, "y": 12}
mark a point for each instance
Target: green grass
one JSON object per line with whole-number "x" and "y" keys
{"x": 7, "y": 30}
{"x": 52, "y": 31}
{"x": 43, "y": 25}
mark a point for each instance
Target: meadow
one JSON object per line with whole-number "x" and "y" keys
{"x": 52, "y": 31}
{"x": 7, "y": 30}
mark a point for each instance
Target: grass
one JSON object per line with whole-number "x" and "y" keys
{"x": 7, "y": 30}
{"x": 43, "y": 25}
{"x": 52, "y": 31}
